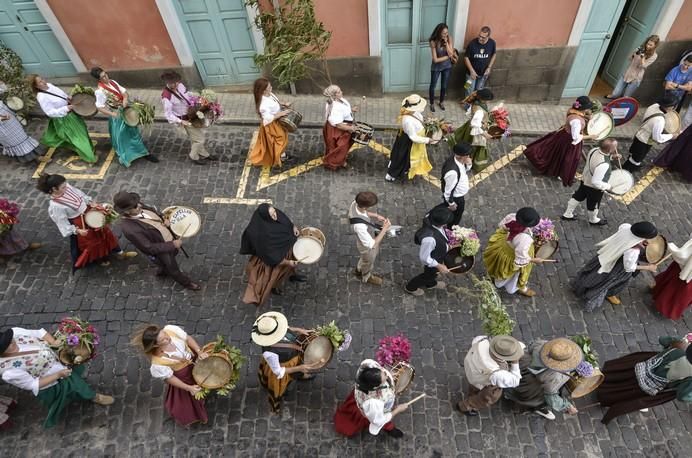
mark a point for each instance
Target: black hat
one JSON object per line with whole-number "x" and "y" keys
{"x": 171, "y": 77}
{"x": 440, "y": 216}
{"x": 644, "y": 229}
{"x": 583, "y": 103}
{"x": 528, "y": 217}
{"x": 124, "y": 201}
{"x": 462, "y": 149}
{"x": 484, "y": 94}
{"x": 5, "y": 339}
{"x": 668, "y": 100}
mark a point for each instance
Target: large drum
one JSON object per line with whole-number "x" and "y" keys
{"x": 672, "y": 125}
{"x": 581, "y": 386}
{"x": 547, "y": 249}
{"x": 184, "y": 221}
{"x": 620, "y": 181}
{"x": 14, "y": 103}
{"x": 656, "y": 249}
{"x": 403, "y": 374}
{"x": 600, "y": 125}
{"x": 457, "y": 263}
{"x": 214, "y": 371}
{"x": 95, "y": 218}
{"x": 84, "y": 104}
{"x": 363, "y": 133}
{"x": 317, "y": 348}
{"x": 292, "y": 120}
{"x": 310, "y": 245}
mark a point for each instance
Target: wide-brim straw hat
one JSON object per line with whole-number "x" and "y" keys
{"x": 506, "y": 348}
{"x": 414, "y": 102}
{"x": 561, "y": 354}
{"x": 269, "y": 328}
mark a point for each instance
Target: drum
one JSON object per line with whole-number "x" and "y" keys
{"x": 309, "y": 247}
{"x": 656, "y": 249}
{"x": 581, "y": 386}
{"x": 131, "y": 117}
{"x": 403, "y": 374}
{"x": 363, "y": 133}
{"x": 496, "y": 132}
{"x": 95, "y": 218}
{"x": 672, "y": 125}
{"x": 455, "y": 260}
{"x": 184, "y": 221}
{"x": 621, "y": 181}
{"x": 316, "y": 348}
{"x": 546, "y": 250}
{"x": 213, "y": 371}
{"x": 84, "y": 104}
{"x": 14, "y": 103}
{"x": 291, "y": 121}
{"x": 600, "y": 124}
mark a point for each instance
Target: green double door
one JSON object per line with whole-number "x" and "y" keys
{"x": 406, "y": 26}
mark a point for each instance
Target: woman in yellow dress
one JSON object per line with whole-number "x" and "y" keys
{"x": 272, "y": 138}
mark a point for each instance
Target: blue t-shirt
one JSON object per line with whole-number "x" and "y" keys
{"x": 677, "y": 76}
{"x": 479, "y": 55}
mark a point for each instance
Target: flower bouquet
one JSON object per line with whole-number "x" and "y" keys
{"x": 544, "y": 232}
{"x": 393, "y": 350}
{"x": 221, "y": 355}
{"x": 499, "y": 122}
{"x": 465, "y": 238}
{"x": 587, "y": 375}
{"x": 341, "y": 340}
{"x": 436, "y": 128}
{"x": 9, "y": 211}
{"x": 590, "y": 356}
{"x": 205, "y": 109}
{"x": 77, "y": 341}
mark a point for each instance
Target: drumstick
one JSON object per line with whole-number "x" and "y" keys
{"x": 548, "y": 260}
{"x": 185, "y": 231}
{"x": 302, "y": 259}
{"x": 664, "y": 258}
{"x": 415, "y": 399}
{"x": 455, "y": 268}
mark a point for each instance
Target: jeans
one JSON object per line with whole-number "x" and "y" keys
{"x": 477, "y": 84}
{"x": 627, "y": 88}
{"x": 434, "y": 75}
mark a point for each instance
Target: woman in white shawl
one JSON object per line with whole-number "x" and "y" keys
{"x": 608, "y": 273}
{"x": 673, "y": 290}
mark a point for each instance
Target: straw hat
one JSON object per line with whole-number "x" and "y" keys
{"x": 414, "y": 102}
{"x": 269, "y": 328}
{"x": 506, "y": 348}
{"x": 561, "y": 354}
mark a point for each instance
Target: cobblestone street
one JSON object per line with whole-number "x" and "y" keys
{"x": 38, "y": 289}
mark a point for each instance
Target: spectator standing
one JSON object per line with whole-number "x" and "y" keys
{"x": 642, "y": 57}
{"x": 479, "y": 58}
{"x": 443, "y": 57}
{"x": 679, "y": 80}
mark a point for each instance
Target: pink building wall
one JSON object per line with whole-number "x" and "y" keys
{"x": 682, "y": 27}
{"x": 348, "y": 22}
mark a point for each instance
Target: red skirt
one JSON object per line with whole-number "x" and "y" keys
{"x": 337, "y": 145}
{"x": 349, "y": 421}
{"x": 181, "y": 404}
{"x": 672, "y": 295}
{"x": 97, "y": 244}
{"x": 555, "y": 155}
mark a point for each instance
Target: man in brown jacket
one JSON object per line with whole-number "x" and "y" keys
{"x": 145, "y": 228}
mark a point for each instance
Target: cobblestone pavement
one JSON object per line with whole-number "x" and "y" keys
{"x": 38, "y": 289}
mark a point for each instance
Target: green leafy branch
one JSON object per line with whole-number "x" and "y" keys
{"x": 493, "y": 314}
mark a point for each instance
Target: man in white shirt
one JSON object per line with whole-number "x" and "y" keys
{"x": 455, "y": 182}
{"x": 594, "y": 182}
{"x": 650, "y": 132}
{"x": 432, "y": 252}
{"x": 368, "y": 246}
{"x": 490, "y": 365}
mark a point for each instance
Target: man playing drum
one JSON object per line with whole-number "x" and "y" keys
{"x": 432, "y": 252}
{"x": 649, "y": 132}
{"x": 594, "y": 182}
{"x": 368, "y": 246}
{"x": 455, "y": 182}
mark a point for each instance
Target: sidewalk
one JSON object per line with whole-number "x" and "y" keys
{"x": 381, "y": 113}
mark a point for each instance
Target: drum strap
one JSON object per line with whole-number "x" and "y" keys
{"x": 20, "y": 353}
{"x": 55, "y": 95}
{"x": 362, "y": 221}
{"x": 292, "y": 346}
{"x": 651, "y": 117}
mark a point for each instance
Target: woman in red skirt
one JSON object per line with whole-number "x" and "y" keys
{"x": 558, "y": 153}
{"x": 673, "y": 290}
{"x": 337, "y": 128}
{"x": 67, "y": 208}
{"x": 172, "y": 353}
{"x": 371, "y": 403}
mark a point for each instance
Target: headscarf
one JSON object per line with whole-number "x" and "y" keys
{"x": 267, "y": 239}
{"x": 330, "y": 92}
{"x": 683, "y": 257}
{"x": 612, "y": 248}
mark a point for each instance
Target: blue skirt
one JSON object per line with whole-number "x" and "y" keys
{"x": 126, "y": 140}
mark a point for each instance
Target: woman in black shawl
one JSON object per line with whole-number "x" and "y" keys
{"x": 269, "y": 239}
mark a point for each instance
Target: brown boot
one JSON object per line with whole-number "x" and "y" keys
{"x": 528, "y": 292}
{"x": 614, "y": 300}
{"x": 375, "y": 280}
{"x": 35, "y": 245}
{"x": 103, "y": 399}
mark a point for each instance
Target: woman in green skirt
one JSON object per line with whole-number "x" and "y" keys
{"x": 475, "y": 130}
{"x": 65, "y": 128}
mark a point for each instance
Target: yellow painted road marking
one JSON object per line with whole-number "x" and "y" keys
{"x": 641, "y": 185}
{"x": 68, "y": 163}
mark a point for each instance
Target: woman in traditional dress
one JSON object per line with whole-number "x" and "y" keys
{"x": 172, "y": 353}
{"x": 65, "y": 128}
{"x": 409, "y": 156}
{"x": 677, "y": 155}
{"x": 475, "y": 130}
{"x": 272, "y": 137}
{"x": 269, "y": 239}
{"x": 337, "y": 128}
{"x": 646, "y": 379}
{"x": 558, "y": 153}
{"x": 11, "y": 242}
{"x": 282, "y": 356}
{"x": 371, "y": 403}
{"x": 673, "y": 290}
{"x": 28, "y": 362}
{"x": 609, "y": 272}
{"x": 14, "y": 140}
{"x": 7, "y": 405}
{"x": 111, "y": 99}
{"x": 509, "y": 256}
{"x": 66, "y": 208}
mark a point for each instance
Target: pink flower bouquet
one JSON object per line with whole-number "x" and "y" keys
{"x": 393, "y": 349}
{"x": 77, "y": 340}
{"x": 544, "y": 231}
{"x": 8, "y": 215}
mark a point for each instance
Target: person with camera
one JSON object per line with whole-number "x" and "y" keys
{"x": 642, "y": 57}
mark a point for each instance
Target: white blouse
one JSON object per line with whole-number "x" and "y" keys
{"x": 341, "y": 111}
{"x": 62, "y": 214}
{"x": 52, "y": 106}
{"x": 274, "y": 364}
{"x": 102, "y": 94}
{"x": 630, "y": 258}
{"x": 575, "y": 127}
{"x": 412, "y": 124}
{"x": 178, "y": 339}
{"x": 269, "y": 107}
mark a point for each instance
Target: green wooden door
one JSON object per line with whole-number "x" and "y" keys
{"x": 407, "y": 25}
{"x": 24, "y": 30}
{"x": 220, "y": 37}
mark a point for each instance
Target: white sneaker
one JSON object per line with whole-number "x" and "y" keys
{"x": 644, "y": 410}
{"x": 545, "y": 413}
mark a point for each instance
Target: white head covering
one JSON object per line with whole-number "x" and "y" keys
{"x": 612, "y": 248}
{"x": 683, "y": 256}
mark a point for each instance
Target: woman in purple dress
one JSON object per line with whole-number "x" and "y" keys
{"x": 677, "y": 155}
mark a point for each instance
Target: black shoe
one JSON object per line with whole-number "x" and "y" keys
{"x": 442, "y": 106}
{"x": 198, "y": 161}
{"x": 151, "y": 158}
{"x": 471, "y": 413}
{"x": 395, "y": 433}
{"x": 602, "y": 222}
{"x": 287, "y": 158}
{"x": 432, "y": 107}
{"x": 298, "y": 278}
{"x": 212, "y": 157}
{"x": 563, "y": 217}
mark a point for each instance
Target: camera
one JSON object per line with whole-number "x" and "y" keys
{"x": 639, "y": 50}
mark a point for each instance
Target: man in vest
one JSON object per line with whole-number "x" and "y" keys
{"x": 490, "y": 365}
{"x": 433, "y": 248}
{"x": 594, "y": 182}
{"x": 455, "y": 182}
{"x": 368, "y": 246}
{"x": 145, "y": 228}
{"x": 649, "y": 132}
